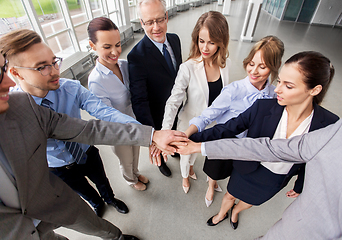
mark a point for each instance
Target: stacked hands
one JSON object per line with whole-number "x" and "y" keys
{"x": 165, "y": 142}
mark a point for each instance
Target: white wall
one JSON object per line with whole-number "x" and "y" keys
{"x": 327, "y": 12}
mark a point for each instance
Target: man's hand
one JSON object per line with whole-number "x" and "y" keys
{"x": 163, "y": 138}
{"x": 190, "y": 147}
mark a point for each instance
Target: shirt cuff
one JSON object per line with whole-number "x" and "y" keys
{"x": 204, "y": 153}
{"x": 151, "y": 136}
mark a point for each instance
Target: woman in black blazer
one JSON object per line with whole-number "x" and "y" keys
{"x": 302, "y": 84}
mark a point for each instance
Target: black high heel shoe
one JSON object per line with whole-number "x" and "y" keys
{"x": 210, "y": 220}
{"x": 233, "y": 224}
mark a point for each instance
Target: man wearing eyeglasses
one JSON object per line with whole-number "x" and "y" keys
{"x": 37, "y": 70}
{"x": 34, "y": 201}
{"x": 153, "y": 65}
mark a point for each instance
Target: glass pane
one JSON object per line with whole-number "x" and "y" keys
{"x": 96, "y": 8}
{"x": 112, "y": 5}
{"x": 115, "y": 18}
{"x": 280, "y": 9}
{"x": 50, "y": 17}
{"x": 82, "y": 36}
{"x": 12, "y": 16}
{"x": 276, "y": 4}
{"x": 61, "y": 45}
{"x": 307, "y": 11}
{"x": 77, "y": 11}
{"x": 292, "y": 10}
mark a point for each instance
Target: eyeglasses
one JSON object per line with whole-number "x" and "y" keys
{"x": 2, "y": 71}
{"x": 46, "y": 69}
{"x": 151, "y": 22}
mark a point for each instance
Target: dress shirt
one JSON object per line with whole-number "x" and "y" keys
{"x": 109, "y": 88}
{"x": 234, "y": 99}
{"x": 169, "y": 48}
{"x": 69, "y": 98}
{"x": 280, "y": 133}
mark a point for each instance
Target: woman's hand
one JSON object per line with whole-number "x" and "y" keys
{"x": 188, "y": 148}
{"x": 292, "y": 194}
{"x": 191, "y": 130}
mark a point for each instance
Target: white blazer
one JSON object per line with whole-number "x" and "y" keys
{"x": 191, "y": 89}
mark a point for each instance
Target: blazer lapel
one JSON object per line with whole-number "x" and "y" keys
{"x": 270, "y": 122}
{"x": 317, "y": 119}
{"x": 175, "y": 49}
{"x": 155, "y": 53}
{"x": 16, "y": 156}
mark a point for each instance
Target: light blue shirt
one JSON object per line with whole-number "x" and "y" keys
{"x": 105, "y": 85}
{"x": 69, "y": 98}
{"x": 169, "y": 48}
{"x": 234, "y": 99}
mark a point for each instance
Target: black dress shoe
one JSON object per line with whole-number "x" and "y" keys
{"x": 119, "y": 205}
{"x": 233, "y": 224}
{"x": 210, "y": 220}
{"x": 164, "y": 169}
{"x": 129, "y": 237}
{"x": 100, "y": 210}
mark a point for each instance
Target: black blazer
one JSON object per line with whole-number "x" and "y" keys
{"x": 261, "y": 120}
{"x": 151, "y": 80}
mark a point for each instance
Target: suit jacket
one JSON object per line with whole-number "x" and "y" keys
{"x": 191, "y": 89}
{"x": 261, "y": 120}
{"x": 25, "y": 128}
{"x": 317, "y": 213}
{"x": 151, "y": 81}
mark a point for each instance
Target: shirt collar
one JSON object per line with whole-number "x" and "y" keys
{"x": 102, "y": 68}
{"x": 266, "y": 90}
{"x": 160, "y": 45}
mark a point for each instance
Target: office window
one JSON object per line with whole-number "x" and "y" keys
{"x": 77, "y": 11}
{"x": 61, "y": 45}
{"x": 13, "y": 16}
{"x": 96, "y": 8}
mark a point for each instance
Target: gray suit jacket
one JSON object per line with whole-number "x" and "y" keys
{"x": 317, "y": 212}
{"x": 24, "y": 128}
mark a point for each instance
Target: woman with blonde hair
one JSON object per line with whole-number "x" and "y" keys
{"x": 199, "y": 80}
{"x": 263, "y": 61}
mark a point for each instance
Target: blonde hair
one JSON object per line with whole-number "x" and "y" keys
{"x": 272, "y": 50}
{"x": 217, "y": 26}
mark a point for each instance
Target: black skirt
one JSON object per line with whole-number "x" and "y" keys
{"x": 256, "y": 187}
{"x": 218, "y": 169}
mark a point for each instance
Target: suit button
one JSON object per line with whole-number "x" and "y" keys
{"x": 33, "y": 232}
{"x": 25, "y": 212}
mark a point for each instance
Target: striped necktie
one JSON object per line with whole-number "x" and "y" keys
{"x": 73, "y": 147}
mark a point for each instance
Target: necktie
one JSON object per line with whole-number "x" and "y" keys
{"x": 168, "y": 60}
{"x": 73, "y": 147}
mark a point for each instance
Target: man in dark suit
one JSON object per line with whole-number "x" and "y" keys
{"x": 153, "y": 65}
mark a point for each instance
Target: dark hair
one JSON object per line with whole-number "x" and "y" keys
{"x": 217, "y": 26}
{"x": 99, "y": 24}
{"x": 272, "y": 50}
{"x": 317, "y": 70}
{"x": 18, "y": 41}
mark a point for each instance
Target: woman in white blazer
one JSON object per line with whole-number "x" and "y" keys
{"x": 199, "y": 80}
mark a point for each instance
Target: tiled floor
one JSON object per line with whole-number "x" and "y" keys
{"x": 163, "y": 211}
